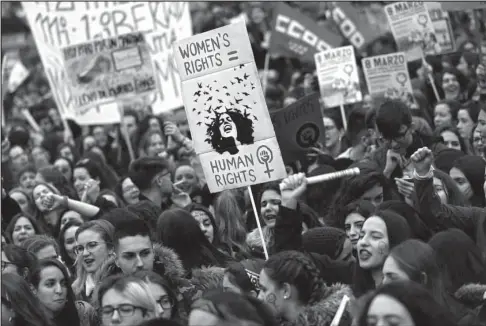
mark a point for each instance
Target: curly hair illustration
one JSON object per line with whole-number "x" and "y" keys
{"x": 228, "y": 129}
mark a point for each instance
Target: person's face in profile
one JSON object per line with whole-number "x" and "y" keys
{"x": 227, "y": 127}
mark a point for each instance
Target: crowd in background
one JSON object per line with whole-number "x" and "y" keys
{"x": 91, "y": 237}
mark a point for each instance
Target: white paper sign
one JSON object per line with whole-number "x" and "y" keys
{"x": 338, "y": 76}
{"x": 60, "y": 24}
{"x": 442, "y": 26}
{"x": 226, "y": 109}
{"x": 412, "y": 29}
{"x": 387, "y": 77}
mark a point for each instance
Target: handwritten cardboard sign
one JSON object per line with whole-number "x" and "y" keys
{"x": 56, "y": 25}
{"x": 296, "y": 35}
{"x": 387, "y": 77}
{"x": 226, "y": 110}
{"x": 103, "y": 70}
{"x": 338, "y": 76}
{"x": 442, "y": 26}
{"x": 412, "y": 29}
{"x": 298, "y": 127}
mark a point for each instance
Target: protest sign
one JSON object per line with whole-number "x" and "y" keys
{"x": 354, "y": 26}
{"x": 462, "y": 5}
{"x": 299, "y": 127}
{"x": 442, "y": 26}
{"x": 387, "y": 77}
{"x": 412, "y": 29}
{"x": 338, "y": 76}
{"x": 56, "y": 25}
{"x": 226, "y": 110}
{"x": 296, "y": 35}
{"x": 101, "y": 71}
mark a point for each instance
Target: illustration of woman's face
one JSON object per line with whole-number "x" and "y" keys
{"x": 227, "y": 127}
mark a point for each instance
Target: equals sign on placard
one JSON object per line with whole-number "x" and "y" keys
{"x": 233, "y": 55}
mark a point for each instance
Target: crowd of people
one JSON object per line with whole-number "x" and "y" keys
{"x": 92, "y": 237}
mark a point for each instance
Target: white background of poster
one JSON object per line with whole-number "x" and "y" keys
{"x": 442, "y": 26}
{"x": 410, "y": 24}
{"x": 219, "y": 75}
{"x": 338, "y": 76}
{"x": 59, "y": 24}
{"x": 387, "y": 77}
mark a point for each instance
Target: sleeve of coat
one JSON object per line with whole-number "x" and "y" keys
{"x": 438, "y": 216}
{"x": 288, "y": 230}
{"x": 10, "y": 208}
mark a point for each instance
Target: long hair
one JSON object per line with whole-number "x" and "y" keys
{"x": 106, "y": 230}
{"x": 69, "y": 314}
{"x": 134, "y": 288}
{"x": 39, "y": 216}
{"x": 244, "y": 127}
{"x": 419, "y": 302}
{"x": 37, "y": 242}
{"x": 16, "y": 294}
{"x": 11, "y": 225}
{"x": 352, "y": 189}
{"x": 28, "y": 196}
{"x": 438, "y": 134}
{"x": 177, "y": 229}
{"x": 295, "y": 268}
{"x": 146, "y": 139}
{"x": 97, "y": 171}
{"x": 53, "y": 176}
{"x": 454, "y": 194}
{"x": 64, "y": 255}
{"x": 231, "y": 229}
{"x": 152, "y": 277}
{"x": 362, "y": 207}
{"x": 197, "y": 207}
{"x": 23, "y": 259}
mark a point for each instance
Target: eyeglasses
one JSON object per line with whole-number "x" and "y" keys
{"x": 90, "y": 247}
{"x": 124, "y": 310}
{"x": 400, "y": 137}
{"x": 5, "y": 264}
{"x": 165, "y": 302}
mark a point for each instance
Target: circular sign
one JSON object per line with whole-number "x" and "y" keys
{"x": 307, "y": 135}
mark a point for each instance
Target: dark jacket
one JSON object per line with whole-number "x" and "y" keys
{"x": 439, "y": 217}
{"x": 10, "y": 208}
{"x": 472, "y": 296}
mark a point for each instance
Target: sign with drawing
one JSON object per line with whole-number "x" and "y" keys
{"x": 298, "y": 127}
{"x": 103, "y": 70}
{"x": 226, "y": 110}
{"x": 338, "y": 76}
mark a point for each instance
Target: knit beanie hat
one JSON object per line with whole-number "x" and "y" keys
{"x": 327, "y": 241}
{"x": 397, "y": 227}
{"x": 445, "y": 159}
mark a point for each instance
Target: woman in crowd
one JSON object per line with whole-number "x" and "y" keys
{"x": 477, "y": 143}
{"x": 447, "y": 190}
{"x": 451, "y": 137}
{"x": 467, "y": 118}
{"x": 17, "y": 260}
{"x": 454, "y": 85}
{"x": 20, "y": 307}
{"x": 50, "y": 174}
{"x": 47, "y": 215}
{"x": 50, "y": 280}
{"x": 87, "y": 170}
{"x": 67, "y": 243}
{"x": 70, "y": 216}
{"x": 445, "y": 113}
{"x": 127, "y": 191}
{"x": 334, "y": 132}
{"x": 406, "y": 303}
{"x": 468, "y": 174}
{"x": 26, "y": 178}
{"x": 185, "y": 178}
{"x": 207, "y": 223}
{"x": 380, "y": 233}
{"x": 21, "y": 227}
{"x": 23, "y": 199}
{"x": 354, "y": 215}
{"x": 66, "y": 167}
{"x": 68, "y": 152}
{"x": 94, "y": 246}
{"x": 42, "y": 246}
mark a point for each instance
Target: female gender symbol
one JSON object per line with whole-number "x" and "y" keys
{"x": 422, "y": 20}
{"x": 348, "y": 69}
{"x": 401, "y": 78}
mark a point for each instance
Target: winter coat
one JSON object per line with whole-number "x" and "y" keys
{"x": 323, "y": 312}
{"x": 473, "y": 296}
{"x": 439, "y": 217}
{"x": 168, "y": 265}
{"x": 87, "y": 314}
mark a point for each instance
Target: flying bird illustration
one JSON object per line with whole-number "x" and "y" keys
{"x": 246, "y": 76}
{"x": 228, "y": 94}
{"x": 217, "y": 90}
{"x": 208, "y": 86}
{"x": 238, "y": 100}
{"x": 253, "y": 88}
{"x": 254, "y": 117}
{"x": 200, "y": 85}
{"x": 245, "y": 93}
{"x": 231, "y": 104}
{"x": 198, "y": 93}
{"x": 209, "y": 110}
{"x": 206, "y": 93}
{"x": 210, "y": 89}
{"x": 244, "y": 85}
{"x": 195, "y": 100}
{"x": 241, "y": 66}
{"x": 199, "y": 113}
{"x": 218, "y": 107}
{"x": 254, "y": 102}
{"x": 239, "y": 80}
{"x": 220, "y": 101}
{"x": 246, "y": 106}
{"x": 225, "y": 87}
{"x": 251, "y": 84}
{"x": 199, "y": 123}
{"x": 193, "y": 109}
{"x": 232, "y": 83}
{"x": 210, "y": 98}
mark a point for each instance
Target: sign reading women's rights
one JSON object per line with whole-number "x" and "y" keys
{"x": 387, "y": 77}
{"x": 102, "y": 71}
{"x": 225, "y": 106}
{"x": 442, "y": 26}
{"x": 60, "y": 24}
{"x": 299, "y": 127}
{"x": 412, "y": 29}
{"x": 338, "y": 76}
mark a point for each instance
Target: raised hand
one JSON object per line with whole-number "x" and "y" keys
{"x": 292, "y": 189}
{"x": 171, "y": 129}
{"x": 393, "y": 159}
{"x": 422, "y": 160}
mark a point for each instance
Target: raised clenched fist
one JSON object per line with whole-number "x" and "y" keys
{"x": 422, "y": 160}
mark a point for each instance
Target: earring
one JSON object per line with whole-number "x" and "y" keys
{"x": 286, "y": 297}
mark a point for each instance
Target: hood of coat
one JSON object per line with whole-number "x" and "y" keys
{"x": 471, "y": 295}
{"x": 323, "y": 312}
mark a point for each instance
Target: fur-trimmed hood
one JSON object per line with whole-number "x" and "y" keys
{"x": 471, "y": 295}
{"x": 323, "y": 312}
